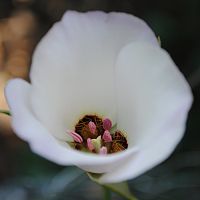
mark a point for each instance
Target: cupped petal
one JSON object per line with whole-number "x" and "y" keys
{"x": 152, "y": 93}
{"x": 146, "y": 158}
{"x": 28, "y": 128}
{"x": 153, "y": 103}
{"x": 73, "y": 67}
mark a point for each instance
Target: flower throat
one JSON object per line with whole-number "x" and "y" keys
{"x": 96, "y": 135}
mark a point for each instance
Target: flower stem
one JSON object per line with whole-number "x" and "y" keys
{"x": 107, "y": 193}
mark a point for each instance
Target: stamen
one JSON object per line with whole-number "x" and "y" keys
{"x": 96, "y": 135}
{"x": 92, "y": 127}
{"x": 107, "y": 124}
{"x": 89, "y": 144}
{"x": 103, "y": 151}
{"x": 107, "y": 136}
{"x": 75, "y": 136}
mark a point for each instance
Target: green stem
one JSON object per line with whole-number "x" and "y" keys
{"x": 125, "y": 194}
{"x": 6, "y": 112}
{"x": 107, "y": 193}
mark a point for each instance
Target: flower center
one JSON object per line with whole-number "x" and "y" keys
{"x": 97, "y": 135}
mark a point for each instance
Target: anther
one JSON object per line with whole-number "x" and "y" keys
{"x": 107, "y": 124}
{"x": 89, "y": 144}
{"x": 75, "y": 136}
{"x": 103, "y": 151}
{"x": 92, "y": 127}
{"x": 107, "y": 136}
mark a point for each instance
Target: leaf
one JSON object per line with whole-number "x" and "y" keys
{"x": 121, "y": 189}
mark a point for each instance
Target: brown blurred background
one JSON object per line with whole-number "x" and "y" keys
{"x": 24, "y": 22}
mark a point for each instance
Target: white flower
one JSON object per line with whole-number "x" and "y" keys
{"x": 105, "y": 64}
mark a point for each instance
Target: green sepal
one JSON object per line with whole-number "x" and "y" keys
{"x": 159, "y": 40}
{"x": 121, "y": 189}
{"x": 6, "y": 112}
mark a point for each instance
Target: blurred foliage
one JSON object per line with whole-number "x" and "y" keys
{"x": 26, "y": 176}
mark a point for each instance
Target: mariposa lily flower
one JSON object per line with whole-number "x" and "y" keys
{"x": 111, "y": 68}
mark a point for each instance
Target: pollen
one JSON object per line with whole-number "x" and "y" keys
{"x": 96, "y": 135}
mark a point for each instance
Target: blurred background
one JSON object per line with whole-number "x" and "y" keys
{"x": 26, "y": 176}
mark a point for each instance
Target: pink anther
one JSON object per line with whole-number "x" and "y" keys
{"x": 103, "y": 151}
{"x": 92, "y": 127}
{"x": 89, "y": 144}
{"x": 107, "y": 124}
{"x": 107, "y": 136}
{"x": 75, "y": 136}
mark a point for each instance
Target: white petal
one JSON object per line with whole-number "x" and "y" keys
{"x": 153, "y": 102}
{"x": 73, "y": 67}
{"x": 146, "y": 158}
{"x": 28, "y": 128}
{"x": 151, "y": 91}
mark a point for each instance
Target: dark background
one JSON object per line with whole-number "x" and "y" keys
{"x": 24, "y": 175}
